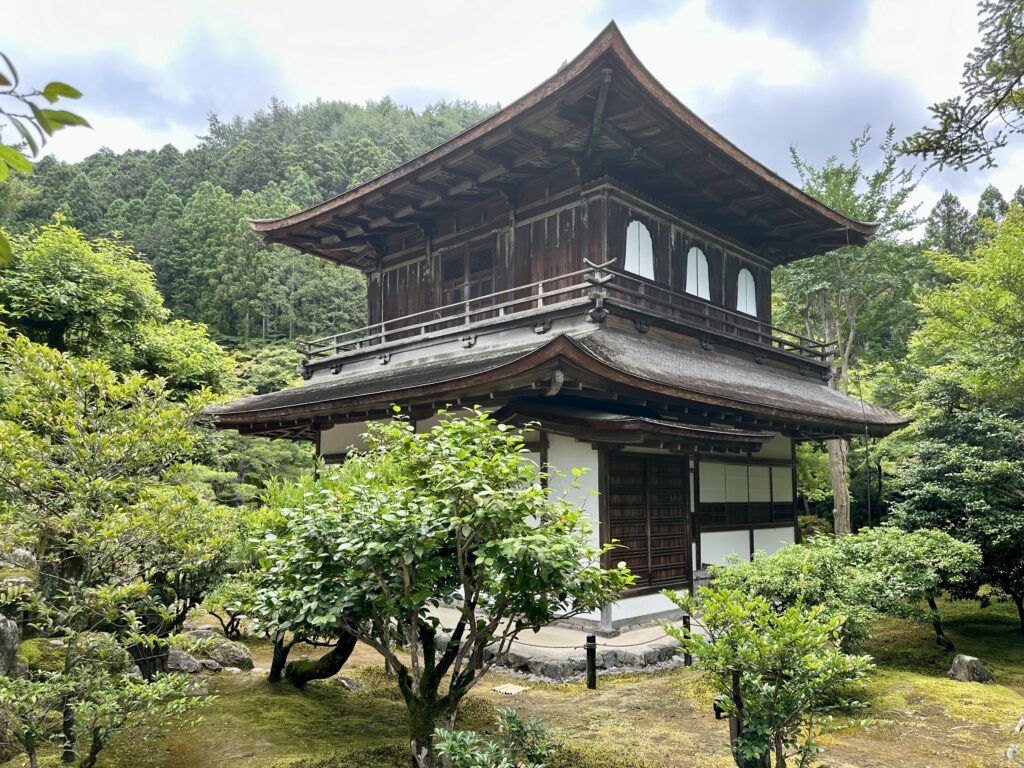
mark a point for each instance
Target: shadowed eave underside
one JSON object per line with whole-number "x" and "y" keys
{"x": 606, "y": 113}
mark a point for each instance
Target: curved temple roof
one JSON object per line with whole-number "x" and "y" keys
{"x": 606, "y": 113}
{"x": 607, "y": 360}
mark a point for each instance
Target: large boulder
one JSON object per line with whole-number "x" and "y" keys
{"x": 968, "y": 669}
{"x": 228, "y": 653}
{"x": 10, "y": 636}
{"x": 182, "y": 661}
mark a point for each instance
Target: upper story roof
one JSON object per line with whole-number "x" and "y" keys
{"x": 606, "y": 114}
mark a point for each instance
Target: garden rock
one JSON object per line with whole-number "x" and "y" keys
{"x": 181, "y": 661}
{"x": 228, "y": 653}
{"x": 22, "y": 558}
{"x": 10, "y": 636}
{"x": 968, "y": 669}
{"x": 347, "y": 683}
{"x": 231, "y": 670}
{"x": 210, "y": 665}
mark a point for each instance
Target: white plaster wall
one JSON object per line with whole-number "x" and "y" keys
{"x": 779, "y": 447}
{"x": 714, "y": 546}
{"x": 564, "y": 455}
{"x": 642, "y": 605}
{"x": 341, "y": 437}
{"x": 771, "y": 540}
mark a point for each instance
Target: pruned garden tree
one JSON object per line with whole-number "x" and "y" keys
{"x": 94, "y": 481}
{"x": 861, "y": 577}
{"x": 908, "y": 569}
{"x": 452, "y": 516}
{"x": 827, "y": 296}
{"x": 970, "y": 128}
{"x": 967, "y": 478}
{"x": 781, "y": 674}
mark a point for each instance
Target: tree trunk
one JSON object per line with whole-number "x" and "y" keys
{"x": 1018, "y": 600}
{"x": 67, "y": 754}
{"x": 940, "y": 635}
{"x": 422, "y": 722}
{"x": 150, "y": 659}
{"x": 837, "y": 452}
{"x": 281, "y": 649}
{"x": 298, "y": 673}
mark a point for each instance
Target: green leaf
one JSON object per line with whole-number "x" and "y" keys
{"x": 26, "y": 134}
{"x": 3, "y": 171}
{"x": 6, "y": 254}
{"x": 15, "y": 159}
{"x": 56, "y": 89}
{"x": 10, "y": 66}
{"x": 41, "y": 119}
{"x": 59, "y": 118}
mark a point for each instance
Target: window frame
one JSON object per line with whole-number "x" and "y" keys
{"x": 642, "y": 226}
{"x": 697, "y": 251}
{"x": 752, "y": 286}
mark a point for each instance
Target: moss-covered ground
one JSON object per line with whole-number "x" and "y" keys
{"x": 921, "y": 719}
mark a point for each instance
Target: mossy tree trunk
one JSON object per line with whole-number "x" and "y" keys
{"x": 151, "y": 657}
{"x": 940, "y": 634}
{"x": 427, "y": 708}
{"x": 298, "y": 673}
{"x": 277, "y": 664}
{"x": 1018, "y": 600}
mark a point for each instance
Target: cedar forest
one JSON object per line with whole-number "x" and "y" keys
{"x": 133, "y": 294}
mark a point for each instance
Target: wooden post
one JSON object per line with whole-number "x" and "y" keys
{"x": 591, "y": 647}
{"x": 687, "y": 657}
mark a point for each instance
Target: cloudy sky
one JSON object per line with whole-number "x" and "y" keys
{"x": 767, "y": 74}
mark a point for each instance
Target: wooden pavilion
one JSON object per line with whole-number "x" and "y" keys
{"x": 597, "y": 259}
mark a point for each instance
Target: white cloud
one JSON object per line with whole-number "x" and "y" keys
{"x": 167, "y": 64}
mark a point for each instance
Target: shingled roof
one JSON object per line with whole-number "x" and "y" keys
{"x": 607, "y": 358}
{"x": 605, "y": 109}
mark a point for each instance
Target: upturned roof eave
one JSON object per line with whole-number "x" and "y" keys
{"x": 609, "y": 40}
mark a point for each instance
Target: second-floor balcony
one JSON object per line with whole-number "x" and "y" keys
{"x": 595, "y": 289}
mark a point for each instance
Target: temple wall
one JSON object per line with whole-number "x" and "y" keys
{"x": 566, "y": 454}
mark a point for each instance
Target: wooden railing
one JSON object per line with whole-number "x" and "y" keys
{"x": 591, "y": 285}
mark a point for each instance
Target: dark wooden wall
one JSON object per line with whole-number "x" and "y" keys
{"x": 554, "y": 225}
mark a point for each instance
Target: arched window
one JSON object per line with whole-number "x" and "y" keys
{"x": 639, "y": 250}
{"x": 746, "y": 293}
{"x": 697, "y": 274}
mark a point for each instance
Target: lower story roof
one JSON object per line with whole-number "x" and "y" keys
{"x": 604, "y": 360}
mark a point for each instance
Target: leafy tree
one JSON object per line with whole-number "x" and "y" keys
{"x": 86, "y": 297}
{"x": 829, "y": 296}
{"x": 94, "y": 298}
{"x": 815, "y": 573}
{"x": 967, "y": 478}
{"x": 859, "y": 577}
{"x": 93, "y": 469}
{"x": 968, "y": 129}
{"x": 450, "y": 516}
{"x": 991, "y": 204}
{"x": 908, "y": 569}
{"x": 81, "y": 206}
{"x": 781, "y": 674}
{"x": 977, "y": 322}
{"x": 949, "y": 228}
{"x": 107, "y": 698}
